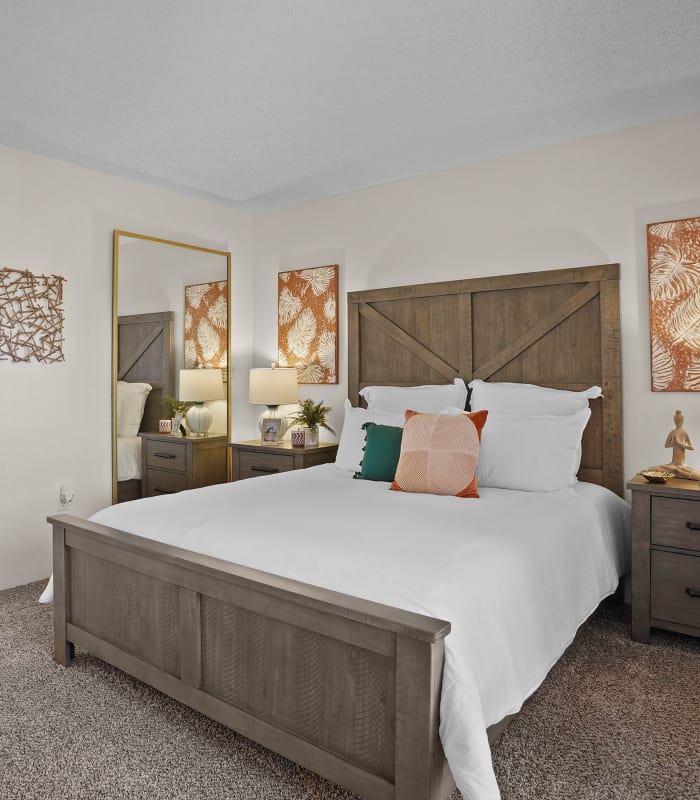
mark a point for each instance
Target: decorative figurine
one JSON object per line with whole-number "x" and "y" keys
{"x": 679, "y": 440}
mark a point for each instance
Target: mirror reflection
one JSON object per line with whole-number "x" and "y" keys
{"x": 170, "y": 353}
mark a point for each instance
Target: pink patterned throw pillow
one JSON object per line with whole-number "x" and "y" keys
{"x": 439, "y": 454}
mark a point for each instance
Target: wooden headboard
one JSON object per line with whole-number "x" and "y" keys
{"x": 557, "y": 328}
{"x": 145, "y": 355}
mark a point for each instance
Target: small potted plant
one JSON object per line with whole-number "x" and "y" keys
{"x": 312, "y": 416}
{"x": 177, "y": 410}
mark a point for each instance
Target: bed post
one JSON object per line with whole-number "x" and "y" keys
{"x": 421, "y": 768}
{"x": 611, "y": 381}
{"x": 63, "y": 650}
{"x": 353, "y": 351}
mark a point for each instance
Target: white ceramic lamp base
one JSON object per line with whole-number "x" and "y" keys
{"x": 199, "y": 419}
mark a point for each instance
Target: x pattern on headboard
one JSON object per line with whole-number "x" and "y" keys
{"x": 145, "y": 354}
{"x": 557, "y": 328}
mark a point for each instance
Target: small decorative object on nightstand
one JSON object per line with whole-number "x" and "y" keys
{"x": 298, "y": 437}
{"x": 679, "y": 440}
{"x": 252, "y": 459}
{"x": 312, "y": 416}
{"x": 170, "y": 464}
{"x": 177, "y": 410}
{"x": 665, "y": 556}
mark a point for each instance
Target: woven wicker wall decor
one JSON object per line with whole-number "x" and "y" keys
{"x": 307, "y": 323}
{"x": 674, "y": 304}
{"x": 206, "y": 331}
{"x": 31, "y": 316}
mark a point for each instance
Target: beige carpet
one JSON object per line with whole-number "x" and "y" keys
{"x": 614, "y": 720}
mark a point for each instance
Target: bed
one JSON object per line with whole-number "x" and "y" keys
{"x": 144, "y": 345}
{"x": 346, "y": 686}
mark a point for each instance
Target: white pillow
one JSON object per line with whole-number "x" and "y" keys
{"x": 131, "y": 401}
{"x": 352, "y": 437}
{"x": 525, "y": 399}
{"x": 425, "y": 399}
{"x": 533, "y": 453}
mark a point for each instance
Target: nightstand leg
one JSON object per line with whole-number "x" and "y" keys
{"x": 641, "y": 566}
{"x": 640, "y": 629}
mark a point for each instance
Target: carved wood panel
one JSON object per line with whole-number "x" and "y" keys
{"x": 133, "y": 611}
{"x": 333, "y": 694}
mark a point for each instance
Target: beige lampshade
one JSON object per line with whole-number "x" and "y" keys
{"x": 273, "y": 387}
{"x": 200, "y": 385}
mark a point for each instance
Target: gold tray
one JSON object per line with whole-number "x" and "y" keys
{"x": 657, "y": 475}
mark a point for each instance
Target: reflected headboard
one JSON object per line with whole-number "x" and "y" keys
{"x": 145, "y": 355}
{"x": 557, "y": 328}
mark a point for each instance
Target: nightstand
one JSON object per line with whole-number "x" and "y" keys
{"x": 252, "y": 459}
{"x": 170, "y": 464}
{"x": 665, "y": 557}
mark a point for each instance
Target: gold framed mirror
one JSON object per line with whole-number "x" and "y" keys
{"x": 170, "y": 311}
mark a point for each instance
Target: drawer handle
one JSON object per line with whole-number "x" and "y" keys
{"x": 164, "y": 491}
{"x": 693, "y": 526}
{"x": 692, "y": 592}
{"x": 266, "y": 470}
{"x": 172, "y": 455}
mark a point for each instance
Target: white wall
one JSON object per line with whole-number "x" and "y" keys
{"x": 55, "y": 419}
{"x": 580, "y": 203}
{"x": 584, "y": 202}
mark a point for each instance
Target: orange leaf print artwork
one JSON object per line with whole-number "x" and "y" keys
{"x": 307, "y": 322}
{"x": 206, "y": 314}
{"x": 674, "y": 304}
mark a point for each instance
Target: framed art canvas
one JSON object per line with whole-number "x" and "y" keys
{"x": 674, "y": 304}
{"x": 31, "y": 316}
{"x": 270, "y": 430}
{"x": 206, "y": 325}
{"x": 307, "y": 323}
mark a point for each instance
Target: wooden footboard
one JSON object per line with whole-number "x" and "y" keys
{"x": 345, "y": 687}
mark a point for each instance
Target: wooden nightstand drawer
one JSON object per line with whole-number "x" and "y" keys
{"x": 675, "y": 588}
{"x": 252, "y": 459}
{"x": 675, "y": 523}
{"x": 252, "y": 465}
{"x": 160, "y": 481}
{"x": 166, "y": 455}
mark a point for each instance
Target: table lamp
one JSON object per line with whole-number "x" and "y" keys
{"x": 272, "y": 387}
{"x": 198, "y": 386}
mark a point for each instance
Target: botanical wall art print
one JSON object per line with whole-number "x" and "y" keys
{"x": 674, "y": 304}
{"x": 307, "y": 323}
{"x": 206, "y": 330}
{"x": 31, "y": 316}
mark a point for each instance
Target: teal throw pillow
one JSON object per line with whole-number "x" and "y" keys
{"x": 382, "y": 451}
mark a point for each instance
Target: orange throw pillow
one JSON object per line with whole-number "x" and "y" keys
{"x": 439, "y": 454}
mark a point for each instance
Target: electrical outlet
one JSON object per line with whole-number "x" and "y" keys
{"x": 65, "y": 495}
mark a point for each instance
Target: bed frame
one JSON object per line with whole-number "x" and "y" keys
{"x": 144, "y": 355}
{"x": 345, "y": 687}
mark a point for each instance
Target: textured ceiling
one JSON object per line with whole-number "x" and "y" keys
{"x": 263, "y": 104}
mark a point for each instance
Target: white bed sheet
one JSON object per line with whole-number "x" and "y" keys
{"x": 515, "y": 573}
{"x": 128, "y": 458}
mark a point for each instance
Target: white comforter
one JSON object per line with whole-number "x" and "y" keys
{"x": 515, "y": 573}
